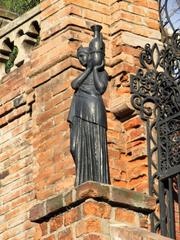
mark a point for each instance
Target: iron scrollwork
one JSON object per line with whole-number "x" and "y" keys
{"x": 156, "y": 95}
{"x": 156, "y": 91}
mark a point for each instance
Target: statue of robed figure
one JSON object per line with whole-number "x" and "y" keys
{"x": 87, "y": 116}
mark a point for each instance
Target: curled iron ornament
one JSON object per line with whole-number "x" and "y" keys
{"x": 176, "y": 41}
{"x": 159, "y": 82}
{"x": 150, "y": 56}
{"x": 168, "y": 13}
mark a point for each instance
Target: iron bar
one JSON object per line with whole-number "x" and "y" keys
{"x": 171, "y": 218}
{"x": 163, "y": 218}
{"x": 178, "y": 192}
{"x": 150, "y": 171}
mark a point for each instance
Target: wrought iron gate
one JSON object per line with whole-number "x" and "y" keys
{"x": 156, "y": 94}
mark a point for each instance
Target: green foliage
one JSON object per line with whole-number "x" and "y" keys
{"x": 19, "y": 6}
{"x": 10, "y": 62}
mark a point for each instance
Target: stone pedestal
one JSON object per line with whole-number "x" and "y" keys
{"x": 94, "y": 211}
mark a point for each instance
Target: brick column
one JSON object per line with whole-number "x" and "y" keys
{"x": 89, "y": 211}
{"x": 65, "y": 25}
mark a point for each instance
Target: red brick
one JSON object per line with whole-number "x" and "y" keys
{"x": 136, "y": 134}
{"x": 52, "y": 237}
{"x": 126, "y": 216}
{"x": 45, "y": 4}
{"x": 133, "y": 123}
{"x": 88, "y": 226}
{"x": 72, "y": 216}
{"x": 92, "y": 208}
{"x": 49, "y": 11}
{"x": 95, "y": 237}
{"x": 90, "y": 5}
{"x": 37, "y": 211}
{"x": 65, "y": 234}
{"x": 44, "y": 228}
{"x": 56, "y": 223}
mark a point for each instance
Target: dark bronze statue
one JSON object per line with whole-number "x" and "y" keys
{"x": 87, "y": 116}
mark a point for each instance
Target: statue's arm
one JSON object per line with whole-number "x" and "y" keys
{"x": 78, "y": 81}
{"x": 100, "y": 80}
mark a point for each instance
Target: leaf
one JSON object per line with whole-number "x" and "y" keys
{"x": 19, "y": 6}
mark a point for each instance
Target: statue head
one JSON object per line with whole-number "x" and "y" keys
{"x": 83, "y": 54}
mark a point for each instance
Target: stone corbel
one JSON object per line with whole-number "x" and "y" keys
{"x": 121, "y": 106}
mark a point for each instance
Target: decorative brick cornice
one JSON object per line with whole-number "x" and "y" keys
{"x": 17, "y": 40}
{"x": 106, "y": 193}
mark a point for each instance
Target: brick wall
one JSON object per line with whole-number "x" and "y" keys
{"x": 132, "y": 23}
{"x": 35, "y": 161}
{"x": 16, "y": 159}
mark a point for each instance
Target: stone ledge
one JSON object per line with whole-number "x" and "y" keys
{"x": 19, "y": 21}
{"x": 4, "y": 13}
{"x": 113, "y": 195}
{"x": 135, "y": 40}
{"x": 124, "y": 232}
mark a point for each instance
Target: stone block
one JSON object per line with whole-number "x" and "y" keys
{"x": 121, "y": 106}
{"x": 126, "y": 232}
{"x": 38, "y": 211}
{"x": 92, "y": 189}
{"x": 54, "y": 204}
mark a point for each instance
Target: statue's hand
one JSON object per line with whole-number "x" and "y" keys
{"x": 90, "y": 64}
{"x": 100, "y": 67}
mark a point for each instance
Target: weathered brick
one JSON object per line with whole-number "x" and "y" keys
{"x": 133, "y": 233}
{"x": 56, "y": 223}
{"x": 126, "y": 216}
{"x": 92, "y": 189}
{"x": 52, "y": 237}
{"x": 133, "y": 198}
{"x": 72, "y": 216}
{"x": 37, "y": 211}
{"x": 96, "y": 237}
{"x": 54, "y": 204}
{"x": 4, "y": 174}
{"x": 92, "y": 208}
{"x": 136, "y": 134}
{"x": 68, "y": 197}
{"x": 88, "y": 226}
{"x": 65, "y": 234}
{"x": 44, "y": 228}
{"x": 133, "y": 123}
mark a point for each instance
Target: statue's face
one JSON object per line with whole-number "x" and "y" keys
{"x": 83, "y": 58}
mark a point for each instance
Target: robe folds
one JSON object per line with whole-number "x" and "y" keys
{"x": 88, "y": 126}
